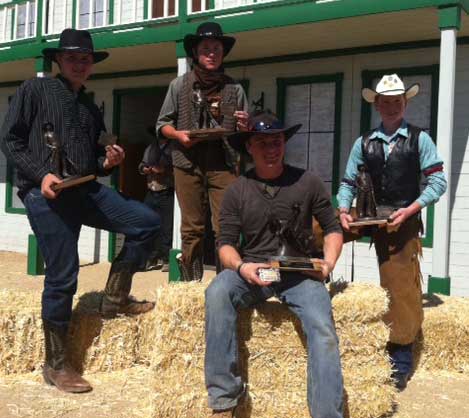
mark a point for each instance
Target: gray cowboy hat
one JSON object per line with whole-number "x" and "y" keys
{"x": 73, "y": 40}
{"x": 208, "y": 30}
{"x": 263, "y": 122}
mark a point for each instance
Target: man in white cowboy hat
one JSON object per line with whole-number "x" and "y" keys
{"x": 202, "y": 98}
{"x": 56, "y": 216}
{"x": 396, "y": 154}
{"x": 270, "y": 191}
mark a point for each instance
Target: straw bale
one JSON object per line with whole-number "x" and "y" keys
{"x": 445, "y": 341}
{"x": 97, "y": 344}
{"x": 272, "y": 356}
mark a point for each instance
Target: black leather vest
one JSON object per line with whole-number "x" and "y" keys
{"x": 396, "y": 181}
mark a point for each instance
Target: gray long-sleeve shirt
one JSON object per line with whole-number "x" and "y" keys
{"x": 250, "y": 202}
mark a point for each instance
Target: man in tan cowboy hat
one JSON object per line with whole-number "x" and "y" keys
{"x": 271, "y": 190}
{"x": 56, "y": 216}
{"x": 396, "y": 154}
{"x": 203, "y": 98}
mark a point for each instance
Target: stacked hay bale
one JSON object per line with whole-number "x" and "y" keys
{"x": 98, "y": 345}
{"x": 445, "y": 340}
{"x": 272, "y": 355}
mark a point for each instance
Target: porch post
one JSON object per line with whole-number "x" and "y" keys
{"x": 174, "y": 274}
{"x": 42, "y": 66}
{"x": 449, "y": 23}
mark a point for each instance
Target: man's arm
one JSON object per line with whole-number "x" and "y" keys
{"x": 231, "y": 259}
{"x": 14, "y": 137}
{"x": 347, "y": 189}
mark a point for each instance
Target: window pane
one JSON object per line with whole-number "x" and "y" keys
{"x": 322, "y": 107}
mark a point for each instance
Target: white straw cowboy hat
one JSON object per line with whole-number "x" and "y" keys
{"x": 390, "y": 85}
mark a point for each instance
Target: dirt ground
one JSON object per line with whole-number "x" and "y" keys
{"x": 126, "y": 394}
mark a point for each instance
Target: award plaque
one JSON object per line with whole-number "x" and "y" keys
{"x": 61, "y": 165}
{"x": 209, "y": 133}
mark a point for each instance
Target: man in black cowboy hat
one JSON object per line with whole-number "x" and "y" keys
{"x": 203, "y": 98}
{"x": 271, "y": 190}
{"x": 56, "y": 216}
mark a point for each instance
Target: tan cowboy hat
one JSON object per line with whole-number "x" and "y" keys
{"x": 390, "y": 85}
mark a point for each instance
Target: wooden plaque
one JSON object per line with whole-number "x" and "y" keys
{"x": 72, "y": 181}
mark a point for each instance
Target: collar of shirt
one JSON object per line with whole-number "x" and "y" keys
{"x": 402, "y": 131}
{"x": 68, "y": 85}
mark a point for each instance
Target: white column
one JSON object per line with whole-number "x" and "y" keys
{"x": 183, "y": 67}
{"x": 442, "y": 219}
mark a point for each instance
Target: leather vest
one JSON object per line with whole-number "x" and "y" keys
{"x": 188, "y": 119}
{"x": 396, "y": 181}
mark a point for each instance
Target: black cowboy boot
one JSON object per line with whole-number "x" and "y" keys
{"x": 56, "y": 371}
{"x": 116, "y": 298}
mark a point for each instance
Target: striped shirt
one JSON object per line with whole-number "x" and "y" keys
{"x": 76, "y": 121}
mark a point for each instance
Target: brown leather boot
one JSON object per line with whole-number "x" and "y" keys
{"x": 56, "y": 372}
{"x": 116, "y": 298}
{"x": 228, "y": 413}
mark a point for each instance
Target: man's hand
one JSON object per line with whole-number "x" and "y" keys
{"x": 183, "y": 138}
{"x": 399, "y": 216}
{"x": 345, "y": 219}
{"x": 326, "y": 269}
{"x": 114, "y": 156}
{"x": 48, "y": 181}
{"x": 241, "y": 120}
{"x": 250, "y": 273}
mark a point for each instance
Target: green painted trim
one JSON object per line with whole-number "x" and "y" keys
{"x": 145, "y": 9}
{"x": 174, "y": 273}
{"x": 42, "y": 64}
{"x": 365, "y": 119}
{"x": 12, "y": 3}
{"x": 35, "y": 265}
{"x": 9, "y": 208}
{"x": 13, "y": 25}
{"x": 266, "y": 15}
{"x": 39, "y": 19}
{"x": 74, "y": 13}
{"x": 136, "y": 73}
{"x": 283, "y": 83}
{"x": 180, "y": 51}
{"x": 440, "y": 285}
{"x": 449, "y": 17}
{"x": 111, "y": 12}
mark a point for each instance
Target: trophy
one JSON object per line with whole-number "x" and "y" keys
{"x": 295, "y": 248}
{"x": 62, "y": 166}
{"x": 202, "y": 112}
{"x": 368, "y": 212}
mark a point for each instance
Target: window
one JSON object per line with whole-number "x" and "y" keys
{"x": 421, "y": 111}
{"x": 315, "y": 103}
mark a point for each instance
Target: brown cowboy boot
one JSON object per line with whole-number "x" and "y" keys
{"x": 56, "y": 372}
{"x": 116, "y": 298}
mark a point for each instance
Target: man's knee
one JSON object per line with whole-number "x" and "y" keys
{"x": 220, "y": 289}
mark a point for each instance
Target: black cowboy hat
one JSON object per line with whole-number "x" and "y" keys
{"x": 263, "y": 122}
{"x": 208, "y": 30}
{"x": 73, "y": 40}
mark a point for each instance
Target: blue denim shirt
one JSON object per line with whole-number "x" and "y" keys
{"x": 431, "y": 165}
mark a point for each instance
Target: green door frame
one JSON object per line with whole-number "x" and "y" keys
{"x": 116, "y": 111}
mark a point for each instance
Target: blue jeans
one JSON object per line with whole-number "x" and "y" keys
{"x": 310, "y": 301}
{"x": 57, "y": 224}
{"x": 162, "y": 203}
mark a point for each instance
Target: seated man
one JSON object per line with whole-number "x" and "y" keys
{"x": 268, "y": 191}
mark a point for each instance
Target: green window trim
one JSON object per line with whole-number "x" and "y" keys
{"x": 365, "y": 121}
{"x": 337, "y": 78}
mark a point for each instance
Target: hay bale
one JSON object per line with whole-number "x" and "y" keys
{"x": 98, "y": 345}
{"x": 272, "y": 356}
{"x": 445, "y": 340}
